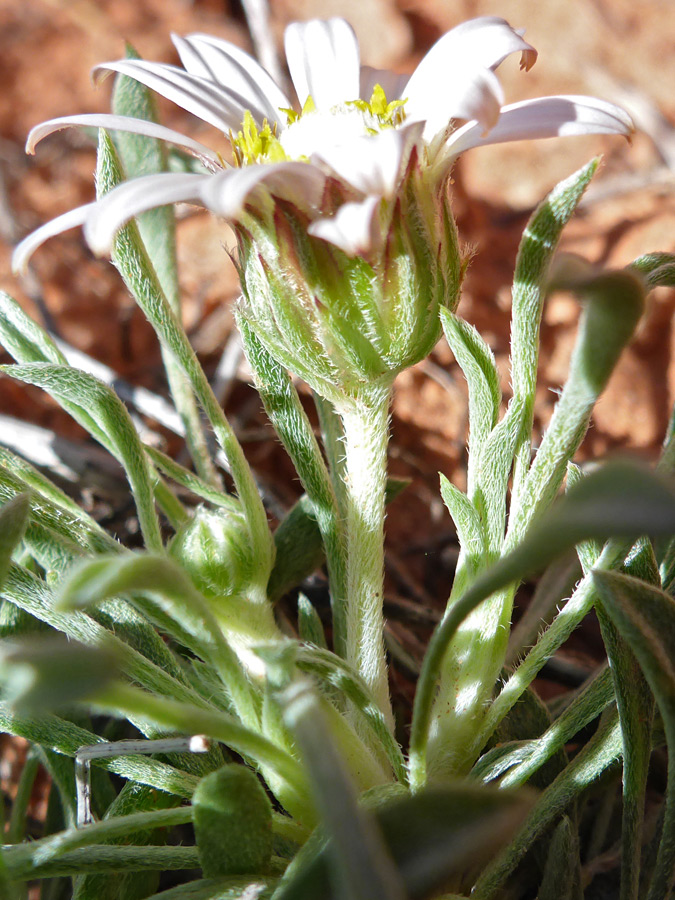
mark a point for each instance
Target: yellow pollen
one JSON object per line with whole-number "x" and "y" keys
{"x": 388, "y": 115}
{"x": 254, "y": 145}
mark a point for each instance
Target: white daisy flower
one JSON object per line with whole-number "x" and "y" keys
{"x": 353, "y": 138}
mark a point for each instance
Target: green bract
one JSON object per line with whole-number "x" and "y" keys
{"x": 348, "y": 324}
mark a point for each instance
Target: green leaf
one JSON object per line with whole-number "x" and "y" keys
{"x": 233, "y": 823}
{"x": 28, "y": 343}
{"x": 635, "y": 703}
{"x": 468, "y": 524}
{"x": 142, "y": 155}
{"x": 38, "y": 852}
{"x": 141, "y": 651}
{"x": 23, "y": 338}
{"x": 13, "y": 518}
{"x": 477, "y": 362}
{"x": 65, "y": 738}
{"x": 361, "y": 867}
{"x": 102, "y": 858}
{"x": 593, "y": 759}
{"x": 436, "y": 837}
{"x": 562, "y": 873}
{"x": 187, "y": 479}
{"x": 337, "y": 674}
{"x": 614, "y": 302}
{"x": 535, "y": 253}
{"x": 71, "y": 386}
{"x": 220, "y": 889}
{"x": 310, "y": 627}
{"x": 131, "y": 258}
{"x": 658, "y": 269}
{"x": 95, "y": 580}
{"x": 290, "y": 421}
{"x": 139, "y": 156}
{"x": 645, "y": 617}
{"x": 48, "y": 672}
{"x": 584, "y": 709}
{"x": 596, "y": 508}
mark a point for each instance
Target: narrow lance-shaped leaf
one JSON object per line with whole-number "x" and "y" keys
{"x": 13, "y": 518}
{"x": 645, "y": 617}
{"x": 96, "y": 580}
{"x": 598, "y": 754}
{"x": 614, "y": 302}
{"x": 28, "y": 343}
{"x": 290, "y": 421}
{"x": 73, "y": 386}
{"x": 157, "y": 229}
{"x": 477, "y": 362}
{"x": 645, "y": 504}
{"x": 535, "y": 253}
{"x": 66, "y": 738}
{"x": 49, "y": 672}
{"x": 142, "y": 281}
{"x": 361, "y": 866}
{"x": 635, "y": 703}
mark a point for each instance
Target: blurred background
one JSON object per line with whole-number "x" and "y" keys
{"x": 610, "y": 48}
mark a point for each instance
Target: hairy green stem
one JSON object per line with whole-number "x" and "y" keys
{"x": 366, "y": 427}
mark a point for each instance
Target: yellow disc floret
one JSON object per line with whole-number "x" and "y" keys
{"x": 255, "y": 145}
{"x": 388, "y": 115}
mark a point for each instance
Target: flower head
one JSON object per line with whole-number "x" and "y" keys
{"x": 340, "y": 201}
{"x": 353, "y": 126}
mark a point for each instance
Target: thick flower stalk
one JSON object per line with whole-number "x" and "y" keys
{"x": 340, "y": 202}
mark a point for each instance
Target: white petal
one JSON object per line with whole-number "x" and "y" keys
{"x": 391, "y": 82}
{"x": 354, "y": 228}
{"x": 545, "y": 117}
{"x": 124, "y": 123}
{"x": 479, "y": 43}
{"x": 230, "y": 67}
{"x": 25, "y": 249}
{"x": 227, "y": 193}
{"x": 461, "y": 92}
{"x": 451, "y": 82}
{"x": 323, "y": 59}
{"x": 373, "y": 165}
{"x": 202, "y": 98}
{"x": 134, "y": 197}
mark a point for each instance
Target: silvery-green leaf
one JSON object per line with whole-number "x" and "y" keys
{"x": 645, "y": 617}
{"x": 48, "y": 672}
{"x": 13, "y": 518}
{"x": 68, "y": 386}
{"x": 477, "y": 362}
{"x": 562, "y": 872}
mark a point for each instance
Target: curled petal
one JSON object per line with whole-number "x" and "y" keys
{"x": 134, "y": 197}
{"x": 25, "y": 249}
{"x": 354, "y": 229}
{"x": 231, "y": 68}
{"x": 373, "y": 165}
{"x": 544, "y": 117}
{"x": 484, "y": 42}
{"x": 124, "y": 123}
{"x": 227, "y": 193}
{"x": 323, "y": 59}
{"x": 213, "y": 104}
{"x": 459, "y": 93}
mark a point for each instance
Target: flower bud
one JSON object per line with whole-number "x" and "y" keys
{"x": 215, "y": 549}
